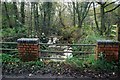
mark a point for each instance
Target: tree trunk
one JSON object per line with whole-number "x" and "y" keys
{"x": 82, "y": 12}
{"x": 15, "y": 10}
{"x": 49, "y": 6}
{"x": 102, "y": 19}
{"x": 49, "y": 13}
{"x": 36, "y": 16}
{"x": 31, "y": 19}
{"x": 16, "y": 18}
{"x": 96, "y": 22}
{"x": 73, "y": 13}
{"x": 79, "y": 15}
{"x": 61, "y": 21}
{"x": 22, "y": 13}
{"x": 7, "y": 15}
{"x": 37, "y": 20}
{"x": 44, "y": 20}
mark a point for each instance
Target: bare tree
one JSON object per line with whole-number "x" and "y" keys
{"x": 103, "y": 5}
{"x": 82, "y": 10}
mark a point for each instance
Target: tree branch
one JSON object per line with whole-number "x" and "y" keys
{"x": 86, "y": 11}
{"x": 109, "y": 4}
{"x": 113, "y": 8}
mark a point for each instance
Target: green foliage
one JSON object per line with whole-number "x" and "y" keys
{"x": 103, "y": 65}
{"x": 8, "y": 32}
{"x": 12, "y": 34}
{"x": 67, "y": 31}
{"x": 6, "y": 58}
{"x": 43, "y": 38}
{"x": 90, "y": 36}
{"x": 70, "y": 33}
{"x": 10, "y": 62}
{"x": 90, "y": 63}
{"x": 90, "y": 39}
{"x": 78, "y": 62}
{"x": 113, "y": 32}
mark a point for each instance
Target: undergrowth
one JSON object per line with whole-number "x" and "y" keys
{"x": 90, "y": 63}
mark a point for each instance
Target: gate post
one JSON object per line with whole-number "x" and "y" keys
{"x": 28, "y": 48}
{"x": 109, "y": 48}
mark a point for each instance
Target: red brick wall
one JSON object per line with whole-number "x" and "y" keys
{"x": 110, "y": 51}
{"x": 28, "y": 51}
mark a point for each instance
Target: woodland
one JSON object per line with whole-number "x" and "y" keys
{"x": 73, "y": 23}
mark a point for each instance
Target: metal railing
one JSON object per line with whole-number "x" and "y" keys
{"x": 51, "y": 51}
